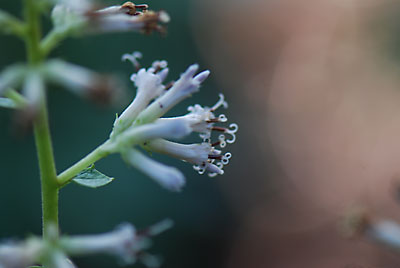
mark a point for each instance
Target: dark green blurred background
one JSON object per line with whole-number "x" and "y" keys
{"x": 203, "y": 220}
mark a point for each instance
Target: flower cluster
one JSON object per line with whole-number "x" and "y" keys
{"x": 142, "y": 124}
{"x": 125, "y": 242}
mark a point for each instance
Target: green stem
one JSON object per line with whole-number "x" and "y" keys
{"x": 17, "y": 98}
{"x": 97, "y": 154}
{"x": 51, "y": 40}
{"x": 33, "y": 32}
{"x": 48, "y": 174}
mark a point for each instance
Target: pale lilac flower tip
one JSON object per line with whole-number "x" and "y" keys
{"x": 163, "y": 74}
{"x": 202, "y": 76}
{"x": 191, "y": 70}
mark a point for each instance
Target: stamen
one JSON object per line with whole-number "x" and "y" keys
{"x": 220, "y": 129}
{"x": 213, "y": 174}
{"x": 216, "y": 143}
{"x": 233, "y": 128}
{"x": 220, "y": 102}
{"x": 200, "y": 170}
{"x": 218, "y": 157}
{"x": 213, "y": 120}
{"x": 157, "y": 66}
{"x": 222, "y": 140}
{"x": 222, "y": 118}
{"x": 160, "y": 64}
{"x": 133, "y": 58}
{"x": 225, "y": 158}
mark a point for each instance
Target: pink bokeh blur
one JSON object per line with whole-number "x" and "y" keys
{"x": 317, "y": 95}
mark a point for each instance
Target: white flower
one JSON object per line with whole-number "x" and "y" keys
{"x": 149, "y": 86}
{"x": 202, "y": 120}
{"x": 203, "y": 156}
{"x": 69, "y": 17}
{"x": 82, "y": 81}
{"x": 119, "y": 242}
{"x": 68, "y": 14}
{"x": 34, "y": 91}
{"x": 125, "y": 242}
{"x": 127, "y": 18}
{"x": 20, "y": 254}
{"x": 80, "y": 6}
{"x": 168, "y": 177}
{"x": 187, "y": 84}
{"x": 60, "y": 260}
{"x": 74, "y": 77}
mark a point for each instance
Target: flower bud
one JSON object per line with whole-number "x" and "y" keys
{"x": 82, "y": 81}
{"x": 22, "y": 254}
{"x": 124, "y": 242}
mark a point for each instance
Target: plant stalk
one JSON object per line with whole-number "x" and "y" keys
{"x": 48, "y": 174}
{"x": 66, "y": 176}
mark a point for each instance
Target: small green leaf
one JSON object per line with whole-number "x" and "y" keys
{"x": 92, "y": 178}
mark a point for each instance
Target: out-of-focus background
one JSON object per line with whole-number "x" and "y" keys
{"x": 315, "y": 88}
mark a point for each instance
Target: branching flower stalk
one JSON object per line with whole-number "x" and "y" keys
{"x": 140, "y": 128}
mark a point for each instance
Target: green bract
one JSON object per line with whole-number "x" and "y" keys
{"x": 92, "y": 178}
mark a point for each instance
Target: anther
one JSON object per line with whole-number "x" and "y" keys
{"x": 130, "y": 8}
{"x": 215, "y": 156}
